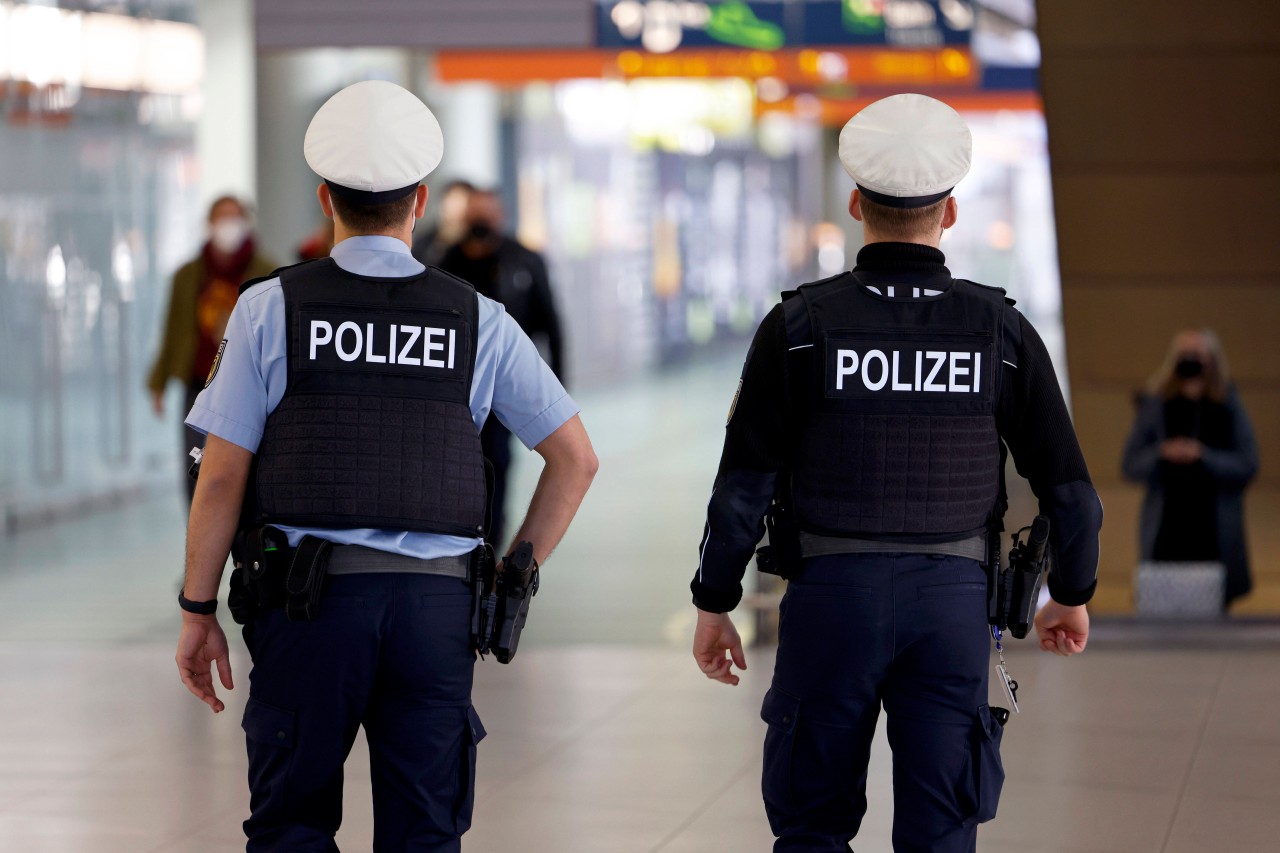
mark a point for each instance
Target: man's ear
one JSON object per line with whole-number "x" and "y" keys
{"x": 326, "y": 203}
{"x": 855, "y": 204}
{"x": 950, "y": 213}
{"x": 420, "y": 205}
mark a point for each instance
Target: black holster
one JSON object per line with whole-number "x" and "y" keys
{"x": 268, "y": 573}
{"x": 483, "y": 603}
{"x": 257, "y": 553}
{"x": 1014, "y": 592}
{"x": 305, "y": 581}
{"x": 781, "y": 556}
{"x": 501, "y": 603}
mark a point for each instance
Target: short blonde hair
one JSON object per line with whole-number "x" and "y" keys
{"x": 902, "y": 223}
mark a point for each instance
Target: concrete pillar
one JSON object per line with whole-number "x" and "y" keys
{"x": 1166, "y": 183}
{"x": 227, "y": 125}
{"x": 470, "y": 116}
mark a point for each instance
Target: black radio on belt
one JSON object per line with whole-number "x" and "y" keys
{"x": 501, "y": 604}
{"x": 1017, "y": 588}
{"x": 781, "y": 556}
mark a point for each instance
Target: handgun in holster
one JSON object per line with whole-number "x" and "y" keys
{"x": 1015, "y": 590}
{"x": 502, "y": 603}
{"x": 1021, "y": 581}
{"x": 781, "y": 556}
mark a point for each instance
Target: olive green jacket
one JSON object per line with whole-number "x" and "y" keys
{"x": 177, "y": 355}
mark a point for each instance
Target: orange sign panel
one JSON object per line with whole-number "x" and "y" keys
{"x": 948, "y": 66}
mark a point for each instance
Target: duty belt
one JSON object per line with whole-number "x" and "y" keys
{"x": 814, "y": 545}
{"x": 360, "y": 560}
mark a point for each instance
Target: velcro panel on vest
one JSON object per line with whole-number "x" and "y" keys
{"x": 375, "y": 428}
{"x": 898, "y": 433}
{"x": 898, "y": 474}
{"x": 324, "y": 464}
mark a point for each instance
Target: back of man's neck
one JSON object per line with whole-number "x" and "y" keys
{"x": 869, "y": 236}
{"x": 404, "y": 235}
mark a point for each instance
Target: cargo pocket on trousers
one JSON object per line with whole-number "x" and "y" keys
{"x": 472, "y": 735}
{"x": 781, "y": 710}
{"x": 988, "y": 770}
{"x": 269, "y": 736}
{"x": 268, "y": 725}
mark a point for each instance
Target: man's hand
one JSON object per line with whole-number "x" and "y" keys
{"x": 157, "y": 402}
{"x": 200, "y": 645}
{"x": 713, "y": 636}
{"x": 1181, "y": 451}
{"x": 1062, "y": 630}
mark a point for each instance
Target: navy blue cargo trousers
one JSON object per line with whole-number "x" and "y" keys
{"x": 390, "y": 652}
{"x": 905, "y": 631}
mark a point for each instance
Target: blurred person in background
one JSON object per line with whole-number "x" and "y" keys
{"x": 318, "y": 244}
{"x": 449, "y": 227}
{"x": 203, "y": 293}
{"x": 504, "y": 270}
{"x": 1192, "y": 446}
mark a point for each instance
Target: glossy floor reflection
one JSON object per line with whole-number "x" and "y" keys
{"x": 603, "y": 736}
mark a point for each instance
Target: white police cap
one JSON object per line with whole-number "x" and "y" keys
{"x": 906, "y": 150}
{"x": 373, "y": 142}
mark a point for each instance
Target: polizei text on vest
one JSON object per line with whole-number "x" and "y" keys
{"x": 385, "y": 343}
{"x": 908, "y": 370}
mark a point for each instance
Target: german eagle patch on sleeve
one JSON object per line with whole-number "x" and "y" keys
{"x": 217, "y": 362}
{"x": 734, "y": 405}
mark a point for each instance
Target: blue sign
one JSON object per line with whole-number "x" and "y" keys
{"x": 661, "y": 26}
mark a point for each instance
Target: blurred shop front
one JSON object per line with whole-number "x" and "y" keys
{"x": 669, "y": 214}
{"x": 98, "y": 205}
{"x": 683, "y": 170}
{"x": 675, "y": 161}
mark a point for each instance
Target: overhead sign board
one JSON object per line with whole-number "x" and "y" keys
{"x": 808, "y": 68}
{"x": 662, "y": 26}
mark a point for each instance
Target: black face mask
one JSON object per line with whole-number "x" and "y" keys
{"x": 1189, "y": 367}
{"x": 481, "y": 231}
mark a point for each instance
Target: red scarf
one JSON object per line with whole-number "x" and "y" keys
{"x": 223, "y": 275}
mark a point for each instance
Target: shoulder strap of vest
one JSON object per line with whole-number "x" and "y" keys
{"x": 278, "y": 273}
{"x": 438, "y": 274}
{"x": 795, "y": 310}
{"x": 989, "y": 291}
{"x": 435, "y": 275}
{"x": 795, "y": 314}
{"x": 995, "y": 523}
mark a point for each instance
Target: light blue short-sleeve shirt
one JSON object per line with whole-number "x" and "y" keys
{"x": 510, "y": 379}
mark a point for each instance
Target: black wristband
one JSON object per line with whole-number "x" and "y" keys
{"x": 201, "y": 608}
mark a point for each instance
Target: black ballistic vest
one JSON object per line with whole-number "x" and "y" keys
{"x": 374, "y": 428}
{"x": 896, "y": 404}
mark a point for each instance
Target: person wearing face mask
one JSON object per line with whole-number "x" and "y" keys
{"x": 203, "y": 293}
{"x": 501, "y": 268}
{"x": 1193, "y": 447}
{"x": 450, "y": 226}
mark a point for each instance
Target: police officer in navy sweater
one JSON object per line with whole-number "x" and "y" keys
{"x": 876, "y": 407}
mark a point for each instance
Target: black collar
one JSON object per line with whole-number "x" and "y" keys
{"x": 901, "y": 258}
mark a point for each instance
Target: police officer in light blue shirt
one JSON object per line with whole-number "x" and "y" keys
{"x": 343, "y": 464}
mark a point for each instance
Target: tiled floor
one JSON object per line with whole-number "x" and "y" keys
{"x": 603, "y": 736}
